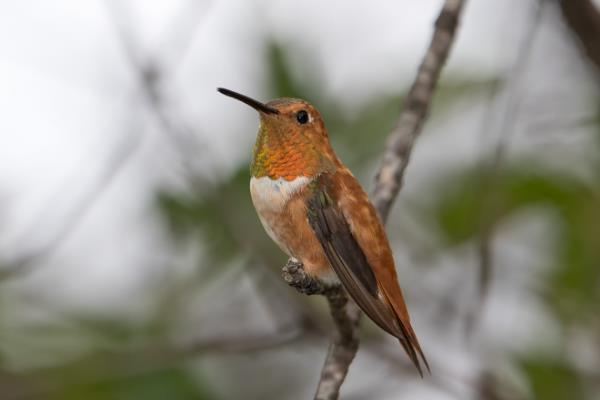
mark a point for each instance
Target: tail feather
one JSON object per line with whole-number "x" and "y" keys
{"x": 411, "y": 346}
{"x": 406, "y": 335}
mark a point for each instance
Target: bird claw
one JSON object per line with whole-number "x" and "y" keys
{"x": 295, "y": 276}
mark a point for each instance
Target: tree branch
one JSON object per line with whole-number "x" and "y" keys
{"x": 150, "y": 77}
{"x": 583, "y": 18}
{"x": 514, "y": 83}
{"x": 388, "y": 182}
{"x": 389, "y": 179}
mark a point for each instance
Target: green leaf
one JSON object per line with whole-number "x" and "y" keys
{"x": 552, "y": 381}
{"x": 165, "y": 384}
{"x": 477, "y": 198}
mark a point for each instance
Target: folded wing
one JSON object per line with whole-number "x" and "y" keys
{"x": 350, "y": 263}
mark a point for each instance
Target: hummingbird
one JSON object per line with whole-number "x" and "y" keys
{"x": 316, "y": 211}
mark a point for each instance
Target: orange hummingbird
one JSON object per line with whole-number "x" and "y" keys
{"x": 312, "y": 206}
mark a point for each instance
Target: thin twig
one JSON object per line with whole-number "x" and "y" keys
{"x": 346, "y": 318}
{"x": 389, "y": 179}
{"x": 505, "y": 133}
{"x": 150, "y": 78}
{"x": 343, "y": 347}
{"x": 388, "y": 182}
{"x": 121, "y": 155}
{"x": 583, "y": 18}
{"x": 137, "y": 362}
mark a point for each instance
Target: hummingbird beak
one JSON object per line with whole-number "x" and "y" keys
{"x": 257, "y": 105}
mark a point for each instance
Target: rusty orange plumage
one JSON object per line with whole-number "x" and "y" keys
{"x": 312, "y": 206}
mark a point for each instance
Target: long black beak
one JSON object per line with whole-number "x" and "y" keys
{"x": 257, "y": 105}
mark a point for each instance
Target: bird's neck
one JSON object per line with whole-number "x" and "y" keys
{"x": 286, "y": 157}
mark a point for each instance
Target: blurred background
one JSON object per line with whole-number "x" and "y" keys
{"x": 133, "y": 266}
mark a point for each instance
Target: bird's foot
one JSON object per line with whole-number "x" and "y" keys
{"x": 295, "y": 276}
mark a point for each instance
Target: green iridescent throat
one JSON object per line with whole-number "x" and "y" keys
{"x": 260, "y": 158}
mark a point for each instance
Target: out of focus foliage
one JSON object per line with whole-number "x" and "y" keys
{"x": 474, "y": 200}
{"x": 466, "y": 207}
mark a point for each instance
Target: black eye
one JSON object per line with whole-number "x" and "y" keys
{"x": 302, "y": 116}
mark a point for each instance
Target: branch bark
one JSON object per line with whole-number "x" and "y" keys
{"x": 583, "y": 18}
{"x": 389, "y": 179}
{"x": 388, "y": 182}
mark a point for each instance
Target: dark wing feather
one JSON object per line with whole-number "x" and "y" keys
{"x": 349, "y": 261}
{"x": 352, "y": 268}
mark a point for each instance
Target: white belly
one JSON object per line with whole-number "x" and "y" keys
{"x": 270, "y": 196}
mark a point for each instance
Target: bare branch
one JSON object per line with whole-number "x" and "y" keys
{"x": 504, "y": 133}
{"x": 343, "y": 347}
{"x": 583, "y": 17}
{"x": 150, "y": 77}
{"x": 388, "y": 182}
{"x": 346, "y": 318}
{"x": 131, "y": 363}
{"x": 118, "y": 160}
